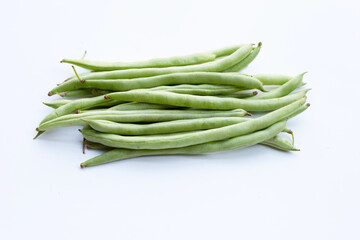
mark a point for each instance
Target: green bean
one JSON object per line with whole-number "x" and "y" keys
{"x": 280, "y": 143}
{"x": 173, "y": 126}
{"x": 138, "y": 106}
{"x": 277, "y": 142}
{"x": 200, "y": 89}
{"x": 57, "y": 103}
{"x": 215, "y": 66}
{"x": 283, "y": 90}
{"x": 135, "y": 116}
{"x": 191, "y": 59}
{"x": 187, "y": 139}
{"x": 204, "y": 102}
{"x": 236, "y": 80}
{"x": 226, "y": 50}
{"x": 152, "y": 63}
{"x": 299, "y": 110}
{"x": 241, "y": 65}
{"x": 88, "y": 103}
{"x": 98, "y": 92}
{"x": 230, "y": 144}
{"x": 163, "y": 127}
{"x": 96, "y": 146}
{"x": 273, "y": 79}
{"x": 77, "y": 93}
{"x": 84, "y": 103}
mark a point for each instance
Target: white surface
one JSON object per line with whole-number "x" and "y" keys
{"x": 253, "y": 193}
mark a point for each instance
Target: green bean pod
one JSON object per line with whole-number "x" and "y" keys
{"x": 186, "y": 125}
{"x": 273, "y": 79}
{"x": 187, "y": 139}
{"x": 57, "y": 103}
{"x": 88, "y": 103}
{"x": 190, "y": 59}
{"x": 299, "y": 110}
{"x": 230, "y": 144}
{"x": 280, "y": 143}
{"x": 236, "y": 80}
{"x": 200, "y": 89}
{"x": 244, "y": 63}
{"x": 77, "y": 93}
{"x": 205, "y": 102}
{"x": 135, "y": 116}
{"x": 214, "y": 66}
{"x": 221, "y": 52}
{"x": 283, "y": 90}
{"x": 96, "y": 146}
{"x": 138, "y": 106}
{"x": 84, "y": 103}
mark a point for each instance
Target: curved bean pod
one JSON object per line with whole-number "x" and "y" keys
{"x": 226, "y": 50}
{"x": 135, "y": 116}
{"x": 230, "y": 144}
{"x": 138, "y": 106}
{"x": 186, "y": 125}
{"x": 192, "y": 59}
{"x": 188, "y": 139}
{"x": 236, "y": 80}
{"x": 88, "y": 103}
{"x": 277, "y": 142}
{"x": 215, "y": 66}
{"x": 84, "y": 103}
{"x": 241, "y": 65}
{"x": 299, "y": 110}
{"x": 201, "y": 89}
{"x": 57, "y": 103}
{"x": 205, "y": 102}
{"x": 273, "y": 79}
{"x": 77, "y": 93}
{"x": 283, "y": 90}
{"x": 280, "y": 143}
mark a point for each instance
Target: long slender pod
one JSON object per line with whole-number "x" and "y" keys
{"x": 273, "y": 79}
{"x": 187, "y": 139}
{"x": 205, "y": 102}
{"x": 186, "y": 125}
{"x": 233, "y": 143}
{"x": 283, "y": 90}
{"x": 246, "y": 61}
{"x": 235, "y": 80}
{"x": 214, "y": 66}
{"x": 135, "y": 116}
{"x": 184, "y": 60}
{"x": 280, "y": 143}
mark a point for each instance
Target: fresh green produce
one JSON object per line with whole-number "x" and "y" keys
{"x": 234, "y": 80}
{"x": 191, "y": 104}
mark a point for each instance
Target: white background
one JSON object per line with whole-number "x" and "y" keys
{"x": 252, "y": 193}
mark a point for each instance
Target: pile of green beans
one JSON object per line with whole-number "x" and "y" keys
{"x": 190, "y": 104}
